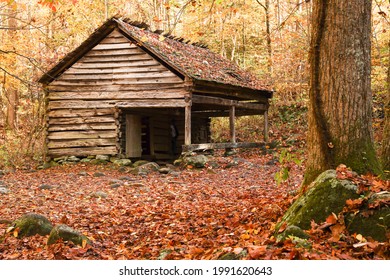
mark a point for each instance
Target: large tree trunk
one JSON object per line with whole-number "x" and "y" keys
{"x": 340, "y": 109}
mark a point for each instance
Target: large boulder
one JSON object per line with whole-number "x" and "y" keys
{"x": 327, "y": 195}
{"x": 66, "y": 233}
{"x": 32, "y": 224}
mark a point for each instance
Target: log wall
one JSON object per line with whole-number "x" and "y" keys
{"x": 83, "y": 118}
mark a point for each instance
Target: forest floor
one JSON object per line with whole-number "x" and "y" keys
{"x": 229, "y": 210}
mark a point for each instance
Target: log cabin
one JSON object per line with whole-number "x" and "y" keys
{"x": 125, "y": 88}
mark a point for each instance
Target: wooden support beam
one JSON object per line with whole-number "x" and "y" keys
{"x": 223, "y": 113}
{"x": 232, "y": 118}
{"x": 159, "y": 103}
{"x": 234, "y": 91}
{"x": 198, "y": 99}
{"x": 187, "y": 125}
{"x": 266, "y": 126}
{"x": 211, "y": 146}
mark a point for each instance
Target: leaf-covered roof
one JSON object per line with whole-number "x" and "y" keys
{"x": 192, "y": 60}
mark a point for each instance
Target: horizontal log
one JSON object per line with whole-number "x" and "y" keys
{"x": 118, "y": 64}
{"x": 114, "y": 40}
{"x": 99, "y": 59}
{"x": 225, "y": 113}
{"x": 212, "y": 146}
{"x": 85, "y": 113}
{"x": 200, "y": 99}
{"x": 80, "y": 104}
{"x": 119, "y": 70}
{"x": 114, "y": 44}
{"x": 232, "y": 90}
{"x": 109, "y": 150}
{"x": 117, "y": 76}
{"x": 114, "y": 52}
{"x": 81, "y": 120}
{"x": 111, "y": 87}
{"x": 81, "y": 143}
{"x": 170, "y": 103}
{"x": 90, "y": 134}
{"x": 93, "y": 126}
{"x": 122, "y": 95}
{"x": 233, "y": 95}
{"x": 133, "y": 81}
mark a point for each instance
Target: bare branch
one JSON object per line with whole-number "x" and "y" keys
{"x": 25, "y": 82}
{"x": 381, "y": 12}
{"x": 262, "y": 5}
{"x": 292, "y": 13}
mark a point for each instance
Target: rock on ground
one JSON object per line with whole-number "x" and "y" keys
{"x": 3, "y": 190}
{"x": 32, "y": 224}
{"x": 327, "y": 195}
{"x": 67, "y": 233}
{"x": 198, "y": 161}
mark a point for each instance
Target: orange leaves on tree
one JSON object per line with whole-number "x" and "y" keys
{"x": 49, "y": 3}
{"x": 52, "y": 4}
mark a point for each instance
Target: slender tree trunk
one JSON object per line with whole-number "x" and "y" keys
{"x": 106, "y": 8}
{"x": 340, "y": 109}
{"x": 266, "y": 7}
{"x": 386, "y": 132}
{"x": 11, "y": 90}
{"x": 268, "y": 31}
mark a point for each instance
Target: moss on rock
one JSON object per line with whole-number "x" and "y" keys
{"x": 32, "y": 224}
{"x": 326, "y": 195}
{"x": 292, "y": 231}
{"x": 66, "y": 233}
{"x": 371, "y": 222}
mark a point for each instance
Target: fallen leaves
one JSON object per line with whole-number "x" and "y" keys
{"x": 195, "y": 215}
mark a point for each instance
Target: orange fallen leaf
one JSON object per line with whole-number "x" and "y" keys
{"x": 337, "y": 229}
{"x": 282, "y": 227}
{"x": 332, "y": 219}
{"x": 256, "y": 252}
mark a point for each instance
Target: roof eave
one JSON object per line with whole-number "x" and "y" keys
{"x": 236, "y": 90}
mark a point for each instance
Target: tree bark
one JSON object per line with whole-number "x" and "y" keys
{"x": 11, "y": 90}
{"x": 340, "y": 109}
{"x": 385, "y": 155}
{"x": 266, "y": 7}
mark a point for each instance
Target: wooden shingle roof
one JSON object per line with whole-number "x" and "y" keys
{"x": 191, "y": 61}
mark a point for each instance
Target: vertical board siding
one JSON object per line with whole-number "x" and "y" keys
{"x": 82, "y": 114}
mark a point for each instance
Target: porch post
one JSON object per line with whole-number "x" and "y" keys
{"x": 266, "y": 126}
{"x": 232, "y": 117}
{"x": 187, "y": 125}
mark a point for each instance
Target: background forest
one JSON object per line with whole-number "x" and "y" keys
{"x": 269, "y": 37}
